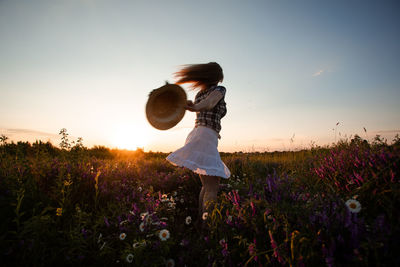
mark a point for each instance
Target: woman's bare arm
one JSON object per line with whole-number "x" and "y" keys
{"x": 209, "y": 103}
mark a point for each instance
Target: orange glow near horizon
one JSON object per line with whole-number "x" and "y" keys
{"x": 129, "y": 137}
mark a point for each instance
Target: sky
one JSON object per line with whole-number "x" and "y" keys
{"x": 297, "y": 73}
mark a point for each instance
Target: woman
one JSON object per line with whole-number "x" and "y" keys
{"x": 200, "y": 153}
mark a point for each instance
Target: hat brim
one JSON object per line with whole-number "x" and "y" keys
{"x": 165, "y": 107}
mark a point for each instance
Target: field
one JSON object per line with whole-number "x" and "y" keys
{"x": 325, "y": 206}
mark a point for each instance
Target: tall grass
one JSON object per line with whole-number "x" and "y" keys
{"x": 78, "y": 206}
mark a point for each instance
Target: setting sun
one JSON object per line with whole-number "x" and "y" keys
{"x": 129, "y": 137}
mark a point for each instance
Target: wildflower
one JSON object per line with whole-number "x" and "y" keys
{"x": 148, "y": 219}
{"x": 67, "y": 183}
{"x": 59, "y": 211}
{"x": 353, "y": 205}
{"x": 163, "y": 235}
{"x": 170, "y": 263}
{"x": 205, "y": 216}
{"x": 124, "y": 222}
{"x": 182, "y": 200}
{"x": 140, "y": 189}
{"x": 252, "y": 249}
{"x": 171, "y": 205}
{"x": 106, "y": 222}
{"x": 84, "y": 232}
{"x": 224, "y": 246}
{"x": 184, "y": 242}
{"x": 141, "y": 227}
{"x": 129, "y": 258}
{"x": 99, "y": 238}
{"x": 143, "y": 215}
{"x": 274, "y": 246}
{"x": 230, "y": 218}
{"x": 164, "y": 198}
{"x": 122, "y": 236}
{"x": 136, "y": 245}
{"x": 188, "y": 220}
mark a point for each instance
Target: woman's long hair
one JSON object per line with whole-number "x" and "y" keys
{"x": 201, "y": 76}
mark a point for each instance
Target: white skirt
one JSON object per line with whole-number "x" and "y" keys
{"x": 200, "y": 154}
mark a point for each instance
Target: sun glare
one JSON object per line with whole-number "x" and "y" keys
{"x": 130, "y": 137}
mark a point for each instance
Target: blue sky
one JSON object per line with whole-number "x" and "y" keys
{"x": 292, "y": 68}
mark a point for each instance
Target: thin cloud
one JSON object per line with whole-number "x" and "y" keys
{"x": 318, "y": 73}
{"x": 27, "y": 131}
{"x": 387, "y": 132}
{"x": 29, "y": 135}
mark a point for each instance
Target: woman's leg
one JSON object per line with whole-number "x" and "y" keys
{"x": 211, "y": 186}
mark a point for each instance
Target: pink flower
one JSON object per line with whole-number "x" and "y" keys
{"x": 275, "y": 248}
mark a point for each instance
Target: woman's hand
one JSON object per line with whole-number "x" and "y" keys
{"x": 190, "y": 106}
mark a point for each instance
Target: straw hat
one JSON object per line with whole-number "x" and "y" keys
{"x": 166, "y": 106}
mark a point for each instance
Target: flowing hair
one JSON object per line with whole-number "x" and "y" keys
{"x": 201, "y": 76}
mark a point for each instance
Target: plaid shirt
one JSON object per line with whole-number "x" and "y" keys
{"x": 211, "y": 118}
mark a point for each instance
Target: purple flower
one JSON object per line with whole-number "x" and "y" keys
{"x": 84, "y": 232}
{"x": 106, "y": 222}
{"x": 224, "y": 246}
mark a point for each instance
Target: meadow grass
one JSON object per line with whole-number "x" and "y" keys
{"x": 332, "y": 206}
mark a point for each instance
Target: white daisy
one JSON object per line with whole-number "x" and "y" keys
{"x": 164, "y": 198}
{"x": 141, "y": 227}
{"x": 353, "y": 205}
{"x": 129, "y": 258}
{"x": 188, "y": 220}
{"x": 164, "y": 234}
{"x": 170, "y": 263}
{"x": 122, "y": 236}
{"x": 143, "y": 215}
{"x": 148, "y": 219}
{"x": 205, "y": 216}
